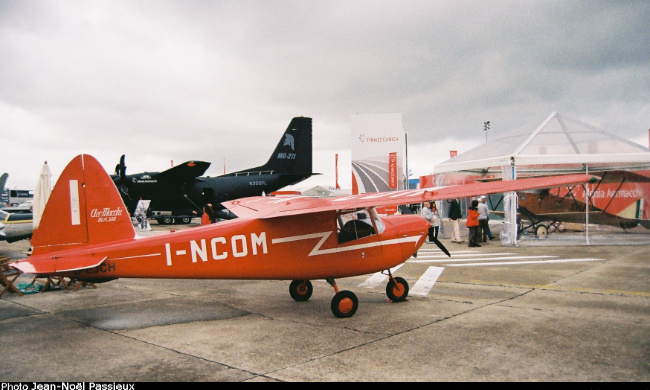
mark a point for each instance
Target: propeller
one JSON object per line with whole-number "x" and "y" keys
{"x": 442, "y": 247}
{"x": 120, "y": 171}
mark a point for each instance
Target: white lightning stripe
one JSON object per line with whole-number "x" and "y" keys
{"x": 324, "y": 235}
{"x": 136, "y": 257}
{"x": 426, "y": 281}
{"x": 378, "y": 278}
{"x": 524, "y": 262}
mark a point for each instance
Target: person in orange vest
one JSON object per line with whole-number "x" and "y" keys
{"x": 472, "y": 224}
{"x": 208, "y": 215}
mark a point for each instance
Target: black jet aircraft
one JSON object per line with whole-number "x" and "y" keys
{"x": 179, "y": 193}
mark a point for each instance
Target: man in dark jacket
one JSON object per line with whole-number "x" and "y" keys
{"x": 454, "y": 215}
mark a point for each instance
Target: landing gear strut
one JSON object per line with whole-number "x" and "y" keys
{"x": 344, "y": 303}
{"x": 397, "y": 288}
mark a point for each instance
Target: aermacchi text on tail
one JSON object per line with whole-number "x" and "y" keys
{"x": 86, "y": 233}
{"x": 179, "y": 193}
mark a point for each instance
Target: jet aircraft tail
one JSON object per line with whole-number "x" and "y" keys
{"x": 83, "y": 209}
{"x": 3, "y": 180}
{"x": 293, "y": 154}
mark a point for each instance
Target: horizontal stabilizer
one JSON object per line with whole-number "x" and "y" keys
{"x": 51, "y": 265}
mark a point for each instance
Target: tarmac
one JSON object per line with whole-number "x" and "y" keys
{"x": 564, "y": 309}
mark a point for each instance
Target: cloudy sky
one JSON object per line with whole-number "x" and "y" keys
{"x": 219, "y": 81}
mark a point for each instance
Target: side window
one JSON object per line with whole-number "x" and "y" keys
{"x": 352, "y": 226}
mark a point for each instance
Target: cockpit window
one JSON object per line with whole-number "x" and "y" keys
{"x": 378, "y": 222}
{"x": 355, "y": 225}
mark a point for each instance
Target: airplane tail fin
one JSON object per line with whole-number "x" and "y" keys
{"x": 293, "y": 154}
{"x": 3, "y": 180}
{"x": 84, "y": 209}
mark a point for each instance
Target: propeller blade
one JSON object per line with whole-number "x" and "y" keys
{"x": 442, "y": 247}
{"x": 122, "y": 172}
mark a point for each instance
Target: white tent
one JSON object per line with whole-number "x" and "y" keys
{"x": 559, "y": 145}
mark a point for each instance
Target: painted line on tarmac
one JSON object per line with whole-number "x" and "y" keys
{"x": 377, "y": 278}
{"x": 425, "y": 283}
{"x": 452, "y": 260}
{"x": 540, "y": 261}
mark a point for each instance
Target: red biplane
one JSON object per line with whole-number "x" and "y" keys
{"x": 86, "y": 234}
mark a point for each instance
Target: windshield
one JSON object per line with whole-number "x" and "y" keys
{"x": 378, "y": 222}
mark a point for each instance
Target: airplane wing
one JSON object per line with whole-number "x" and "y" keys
{"x": 184, "y": 172}
{"x": 272, "y": 207}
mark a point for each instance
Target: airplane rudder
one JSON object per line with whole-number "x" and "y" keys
{"x": 107, "y": 216}
{"x": 83, "y": 208}
{"x": 293, "y": 154}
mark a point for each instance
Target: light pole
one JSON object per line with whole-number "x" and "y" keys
{"x": 486, "y": 127}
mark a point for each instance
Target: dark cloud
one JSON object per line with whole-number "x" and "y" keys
{"x": 168, "y": 80}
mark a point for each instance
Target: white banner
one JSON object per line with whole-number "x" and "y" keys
{"x": 378, "y": 153}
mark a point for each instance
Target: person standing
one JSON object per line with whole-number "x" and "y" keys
{"x": 428, "y": 215}
{"x": 435, "y": 222}
{"x": 208, "y": 215}
{"x": 454, "y": 215}
{"x": 472, "y": 224}
{"x": 483, "y": 219}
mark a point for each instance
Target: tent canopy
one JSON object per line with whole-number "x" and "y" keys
{"x": 558, "y": 144}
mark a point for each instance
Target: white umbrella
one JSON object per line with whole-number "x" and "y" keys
{"x": 42, "y": 193}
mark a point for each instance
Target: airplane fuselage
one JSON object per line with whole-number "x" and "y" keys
{"x": 214, "y": 190}
{"x": 297, "y": 247}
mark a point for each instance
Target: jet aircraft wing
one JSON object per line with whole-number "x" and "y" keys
{"x": 272, "y": 207}
{"x": 184, "y": 172}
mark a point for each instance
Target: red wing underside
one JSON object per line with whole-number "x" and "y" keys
{"x": 271, "y": 207}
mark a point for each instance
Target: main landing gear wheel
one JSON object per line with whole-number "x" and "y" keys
{"x": 397, "y": 289}
{"x": 344, "y": 304}
{"x": 541, "y": 232}
{"x": 301, "y": 290}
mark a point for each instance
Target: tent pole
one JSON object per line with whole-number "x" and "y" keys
{"x": 587, "y": 205}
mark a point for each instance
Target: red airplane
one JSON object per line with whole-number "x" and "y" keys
{"x": 87, "y": 234}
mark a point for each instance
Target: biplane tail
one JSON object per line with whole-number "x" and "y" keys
{"x": 84, "y": 209}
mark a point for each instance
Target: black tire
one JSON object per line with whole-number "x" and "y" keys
{"x": 344, "y": 304}
{"x": 397, "y": 289}
{"x": 166, "y": 220}
{"x": 301, "y": 290}
{"x": 185, "y": 220}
